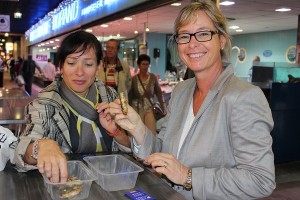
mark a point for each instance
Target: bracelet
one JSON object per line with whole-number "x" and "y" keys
{"x": 34, "y": 154}
{"x": 114, "y": 134}
{"x": 188, "y": 183}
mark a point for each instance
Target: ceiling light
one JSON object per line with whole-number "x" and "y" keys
{"x": 136, "y": 24}
{"x": 227, "y": 3}
{"x": 17, "y": 15}
{"x": 283, "y": 9}
{"x": 234, "y": 27}
{"x": 176, "y": 4}
{"x": 239, "y": 30}
{"x": 104, "y": 25}
{"x": 127, "y": 18}
{"x": 89, "y": 30}
{"x": 147, "y": 28}
{"x": 6, "y": 34}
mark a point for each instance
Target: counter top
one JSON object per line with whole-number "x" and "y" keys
{"x": 30, "y": 185}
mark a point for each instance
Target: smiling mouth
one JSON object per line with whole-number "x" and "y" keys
{"x": 196, "y": 55}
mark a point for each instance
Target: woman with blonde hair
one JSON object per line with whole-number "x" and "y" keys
{"x": 216, "y": 142}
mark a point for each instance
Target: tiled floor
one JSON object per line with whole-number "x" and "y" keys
{"x": 288, "y": 182}
{"x": 7, "y": 83}
{"x": 287, "y": 174}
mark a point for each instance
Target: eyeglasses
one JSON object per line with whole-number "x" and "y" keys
{"x": 201, "y": 36}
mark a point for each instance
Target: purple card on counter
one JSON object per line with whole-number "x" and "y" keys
{"x": 138, "y": 194}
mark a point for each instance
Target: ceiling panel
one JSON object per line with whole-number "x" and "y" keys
{"x": 251, "y": 15}
{"x": 32, "y": 11}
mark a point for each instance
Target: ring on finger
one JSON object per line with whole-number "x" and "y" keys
{"x": 165, "y": 164}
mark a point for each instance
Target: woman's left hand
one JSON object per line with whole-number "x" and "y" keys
{"x": 168, "y": 165}
{"x": 106, "y": 120}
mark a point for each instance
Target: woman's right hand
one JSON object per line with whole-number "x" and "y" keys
{"x": 52, "y": 161}
{"x": 130, "y": 122}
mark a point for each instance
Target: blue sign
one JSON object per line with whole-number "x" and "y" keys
{"x": 70, "y": 15}
{"x": 267, "y": 53}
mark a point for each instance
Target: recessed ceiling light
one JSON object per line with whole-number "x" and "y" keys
{"x": 127, "y": 18}
{"x": 239, "y": 30}
{"x": 89, "y": 30}
{"x": 227, "y": 3}
{"x": 176, "y": 4}
{"x": 234, "y": 27}
{"x": 104, "y": 25}
{"x": 283, "y": 9}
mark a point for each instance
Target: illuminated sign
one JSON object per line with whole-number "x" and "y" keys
{"x": 70, "y": 15}
{"x": 65, "y": 16}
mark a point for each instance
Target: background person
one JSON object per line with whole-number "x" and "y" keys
{"x": 1, "y": 62}
{"x": 139, "y": 98}
{"x": 115, "y": 72}
{"x": 216, "y": 142}
{"x": 49, "y": 72}
{"x": 67, "y": 116}
{"x": 18, "y": 65}
{"x": 28, "y": 71}
{"x": 11, "y": 66}
{"x": 255, "y": 59}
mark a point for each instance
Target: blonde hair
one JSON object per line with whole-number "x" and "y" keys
{"x": 189, "y": 13}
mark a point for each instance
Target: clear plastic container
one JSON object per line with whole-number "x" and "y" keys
{"x": 76, "y": 189}
{"x": 114, "y": 172}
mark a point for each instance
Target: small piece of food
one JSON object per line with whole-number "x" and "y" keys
{"x": 71, "y": 189}
{"x": 124, "y": 103}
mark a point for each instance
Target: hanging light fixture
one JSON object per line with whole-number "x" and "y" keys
{"x": 118, "y": 35}
{"x": 147, "y": 28}
{"x": 136, "y": 22}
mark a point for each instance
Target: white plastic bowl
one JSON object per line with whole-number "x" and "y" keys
{"x": 114, "y": 172}
{"x": 75, "y": 169}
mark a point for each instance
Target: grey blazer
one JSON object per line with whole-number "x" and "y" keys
{"x": 228, "y": 147}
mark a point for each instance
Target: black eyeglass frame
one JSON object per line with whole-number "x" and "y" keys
{"x": 194, "y": 34}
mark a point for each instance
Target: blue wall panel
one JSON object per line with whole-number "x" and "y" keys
{"x": 257, "y": 43}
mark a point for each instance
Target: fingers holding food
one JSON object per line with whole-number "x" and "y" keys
{"x": 124, "y": 103}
